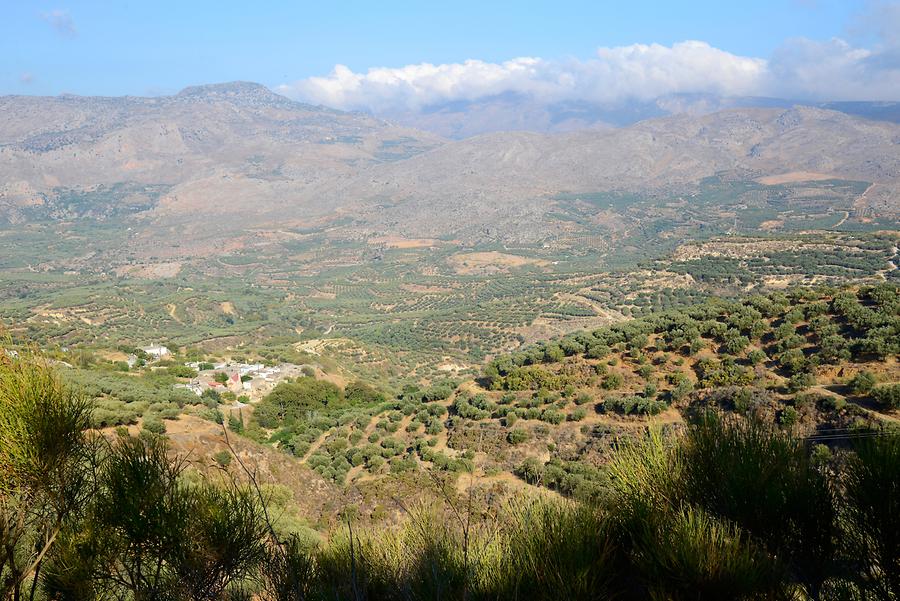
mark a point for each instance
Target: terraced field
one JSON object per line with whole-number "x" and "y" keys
{"x": 398, "y": 309}
{"x": 813, "y": 361}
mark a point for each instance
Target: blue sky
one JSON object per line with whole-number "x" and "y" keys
{"x": 113, "y": 48}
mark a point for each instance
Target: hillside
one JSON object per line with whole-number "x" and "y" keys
{"x": 520, "y": 112}
{"x": 204, "y": 153}
{"x": 820, "y": 364}
{"x": 518, "y": 172}
{"x": 187, "y": 165}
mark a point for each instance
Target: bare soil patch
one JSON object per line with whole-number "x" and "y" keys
{"x": 150, "y": 271}
{"x": 793, "y": 177}
{"x": 398, "y": 242}
{"x": 489, "y": 262}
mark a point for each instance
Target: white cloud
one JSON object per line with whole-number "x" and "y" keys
{"x": 800, "y": 69}
{"x": 61, "y": 21}
{"x": 834, "y": 70}
{"x": 645, "y": 72}
{"x": 637, "y": 71}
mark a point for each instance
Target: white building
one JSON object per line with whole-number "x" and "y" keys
{"x": 253, "y": 368}
{"x": 157, "y": 352}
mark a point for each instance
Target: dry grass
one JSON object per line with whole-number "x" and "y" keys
{"x": 489, "y": 262}
{"x": 398, "y": 242}
{"x": 794, "y": 177}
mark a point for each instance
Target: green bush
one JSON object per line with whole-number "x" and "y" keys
{"x": 223, "y": 458}
{"x": 577, "y": 414}
{"x": 517, "y": 436}
{"x": 154, "y": 424}
{"x": 863, "y": 382}
{"x": 887, "y": 395}
{"x": 612, "y": 381}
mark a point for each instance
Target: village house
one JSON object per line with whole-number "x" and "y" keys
{"x": 157, "y": 352}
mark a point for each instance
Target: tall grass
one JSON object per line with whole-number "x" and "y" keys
{"x": 536, "y": 550}
{"x": 555, "y": 550}
{"x": 672, "y": 548}
{"x": 761, "y": 479}
{"x": 871, "y": 513}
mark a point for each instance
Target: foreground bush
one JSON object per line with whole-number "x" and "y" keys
{"x": 44, "y": 467}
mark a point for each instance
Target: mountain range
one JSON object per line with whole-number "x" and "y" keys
{"x": 520, "y": 112}
{"x": 216, "y": 159}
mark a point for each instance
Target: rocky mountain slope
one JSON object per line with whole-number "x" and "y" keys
{"x": 214, "y": 160}
{"x": 461, "y": 119}
{"x": 509, "y": 175}
{"x": 208, "y": 148}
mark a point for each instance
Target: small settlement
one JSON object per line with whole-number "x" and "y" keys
{"x": 254, "y": 380}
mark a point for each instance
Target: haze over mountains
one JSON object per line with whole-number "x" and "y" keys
{"x": 219, "y": 158}
{"x": 513, "y": 112}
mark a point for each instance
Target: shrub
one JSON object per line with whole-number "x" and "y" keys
{"x": 517, "y": 436}
{"x": 612, "y": 381}
{"x": 831, "y": 402}
{"x": 577, "y": 414}
{"x": 863, "y": 382}
{"x": 583, "y": 399}
{"x": 553, "y": 417}
{"x": 154, "y": 424}
{"x": 788, "y": 417}
{"x": 887, "y": 395}
{"x": 223, "y": 458}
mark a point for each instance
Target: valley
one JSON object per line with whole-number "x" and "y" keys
{"x": 364, "y": 323}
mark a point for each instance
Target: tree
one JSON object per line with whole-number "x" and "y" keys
{"x": 756, "y": 356}
{"x": 140, "y": 516}
{"x": 290, "y": 401}
{"x": 862, "y": 382}
{"x": 801, "y": 381}
{"x": 887, "y": 395}
{"x": 360, "y": 393}
{"x": 45, "y": 458}
{"x": 182, "y": 371}
{"x": 157, "y": 537}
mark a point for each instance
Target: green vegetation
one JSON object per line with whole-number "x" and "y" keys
{"x": 803, "y": 362}
{"x": 290, "y": 401}
{"x": 730, "y": 508}
{"x": 727, "y": 344}
{"x": 395, "y": 315}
